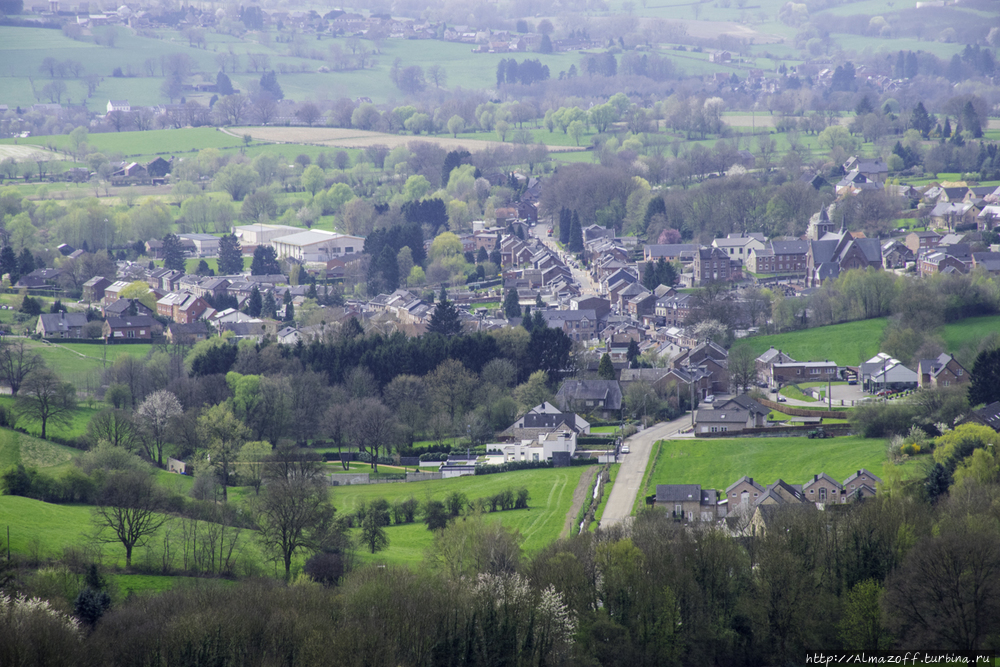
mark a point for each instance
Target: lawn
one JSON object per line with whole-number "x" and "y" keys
{"x": 847, "y": 344}
{"x": 550, "y": 500}
{"x": 76, "y": 428}
{"x": 793, "y": 392}
{"x": 969, "y": 331}
{"x": 717, "y": 463}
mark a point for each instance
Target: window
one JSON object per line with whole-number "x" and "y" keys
{"x": 822, "y": 495}
{"x": 960, "y": 372}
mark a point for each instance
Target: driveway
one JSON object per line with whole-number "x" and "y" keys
{"x": 633, "y": 467}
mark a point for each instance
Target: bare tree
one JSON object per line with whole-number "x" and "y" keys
{"x": 372, "y": 427}
{"x": 46, "y": 399}
{"x": 17, "y": 360}
{"x": 264, "y": 109}
{"x": 116, "y": 427}
{"x": 294, "y": 511}
{"x": 155, "y": 414}
{"x": 232, "y": 109}
{"x": 742, "y": 367}
{"x": 129, "y": 505}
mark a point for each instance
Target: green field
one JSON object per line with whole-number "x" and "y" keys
{"x": 716, "y": 463}
{"x": 847, "y": 344}
{"x": 30, "y": 451}
{"x": 969, "y": 331}
{"x": 550, "y": 500}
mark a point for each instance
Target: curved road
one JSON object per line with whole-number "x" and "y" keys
{"x": 629, "y": 478}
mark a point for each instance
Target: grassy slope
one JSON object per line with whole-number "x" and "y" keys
{"x": 847, "y": 344}
{"x": 20, "y": 448}
{"x": 716, "y": 463}
{"x": 551, "y": 497}
{"x": 957, "y": 335}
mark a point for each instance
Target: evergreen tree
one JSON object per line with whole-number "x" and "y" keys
{"x": 511, "y": 308}
{"x": 230, "y": 255}
{"x": 269, "y": 308}
{"x": 649, "y": 280}
{"x": 546, "y": 45}
{"x": 606, "y": 370}
{"x": 173, "y": 253}
{"x": 538, "y": 322}
{"x": 25, "y": 262}
{"x": 912, "y": 67}
{"x": 946, "y": 132}
{"x": 632, "y": 354}
{"x": 985, "y": 385}
{"x": 920, "y": 120}
{"x": 289, "y": 306}
{"x": 576, "y": 235}
{"x": 565, "y": 223}
{"x": 223, "y": 84}
{"x": 269, "y": 84}
{"x": 8, "y": 263}
{"x": 265, "y": 261}
{"x": 482, "y": 256}
{"x": 255, "y": 303}
{"x": 656, "y": 206}
{"x": 971, "y": 121}
{"x": 526, "y": 320}
{"x": 496, "y": 257}
{"x": 445, "y": 319}
{"x": 666, "y": 274}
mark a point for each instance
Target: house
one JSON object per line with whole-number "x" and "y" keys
{"x": 758, "y": 413}
{"x": 119, "y": 105}
{"x": 896, "y": 255}
{"x": 986, "y": 261}
{"x": 823, "y": 489}
{"x": 743, "y": 492}
{"x": 764, "y": 362}
{"x": 943, "y": 261}
{"x": 945, "y": 371}
{"x": 893, "y": 376}
{"x": 723, "y": 420}
{"x": 159, "y": 167}
{"x": 262, "y": 234}
{"x": 674, "y": 309}
{"x": 550, "y": 418}
{"x": 93, "y": 289}
{"x": 861, "y": 484}
{"x": 873, "y": 169}
{"x": 683, "y": 252}
{"x": 182, "y": 307}
{"x": 546, "y": 447}
{"x": 760, "y": 261}
{"x": 710, "y": 265}
{"x": 920, "y": 242}
{"x": 61, "y": 325}
{"x": 687, "y": 502}
{"x": 179, "y": 333}
{"x": 578, "y": 325}
{"x": 134, "y": 327}
{"x": 126, "y": 307}
{"x": 739, "y": 247}
{"x": 801, "y": 371}
{"x": 205, "y": 245}
{"x": 600, "y": 397}
{"x": 988, "y": 415}
{"x": 790, "y": 256}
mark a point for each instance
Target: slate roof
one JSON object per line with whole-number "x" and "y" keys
{"x": 573, "y": 391}
{"x": 62, "y": 322}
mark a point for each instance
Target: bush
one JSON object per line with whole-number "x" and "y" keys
{"x": 326, "y": 568}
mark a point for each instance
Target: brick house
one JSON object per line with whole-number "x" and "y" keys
{"x": 860, "y": 484}
{"x": 945, "y": 371}
{"x": 710, "y": 265}
{"x": 802, "y": 371}
{"x": 61, "y": 325}
{"x": 687, "y": 502}
{"x": 182, "y": 307}
{"x": 743, "y": 492}
{"x": 93, "y": 289}
{"x": 823, "y": 489}
{"x": 135, "y": 327}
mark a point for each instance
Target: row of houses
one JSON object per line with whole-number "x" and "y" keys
{"x": 755, "y": 503}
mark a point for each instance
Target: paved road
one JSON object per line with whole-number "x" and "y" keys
{"x": 582, "y": 278}
{"x": 629, "y": 478}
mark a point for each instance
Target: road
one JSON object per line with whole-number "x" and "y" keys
{"x": 629, "y": 478}
{"x": 582, "y": 278}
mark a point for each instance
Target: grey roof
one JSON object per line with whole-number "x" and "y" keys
{"x": 742, "y": 479}
{"x": 677, "y": 493}
{"x": 990, "y": 415}
{"x": 130, "y": 321}
{"x": 747, "y": 403}
{"x": 790, "y": 247}
{"x": 821, "y": 477}
{"x": 723, "y": 416}
{"x": 855, "y": 475}
{"x": 572, "y": 391}
{"x": 774, "y": 355}
{"x": 62, "y": 322}
{"x": 671, "y": 250}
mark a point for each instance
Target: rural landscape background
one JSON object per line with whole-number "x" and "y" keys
{"x": 525, "y": 200}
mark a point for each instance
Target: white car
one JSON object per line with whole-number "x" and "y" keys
{"x": 710, "y": 399}
{"x": 625, "y": 449}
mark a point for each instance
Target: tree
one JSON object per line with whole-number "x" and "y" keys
{"x": 456, "y": 124}
{"x": 17, "y": 361}
{"x": 576, "y": 236}
{"x": 308, "y": 113}
{"x": 8, "y": 263}
{"x": 225, "y": 436}
{"x": 985, "y": 385}
{"x": 253, "y": 458}
{"x": 114, "y": 426}
{"x": 511, "y": 307}
{"x": 372, "y": 427}
{"x": 861, "y": 627}
{"x": 606, "y": 370}
{"x": 373, "y": 532}
{"x": 742, "y": 367}
{"x": 232, "y": 109}
{"x": 46, "y": 399}
{"x": 130, "y": 505}
{"x": 269, "y": 84}
{"x": 265, "y": 262}
{"x": 223, "y": 85}
{"x": 920, "y": 120}
{"x": 238, "y": 179}
{"x": 451, "y": 386}
{"x": 173, "y": 253}
{"x": 294, "y": 511}
{"x": 255, "y": 303}
{"x": 230, "y": 255}
{"x": 313, "y": 179}
{"x": 155, "y": 414}
{"x": 445, "y": 320}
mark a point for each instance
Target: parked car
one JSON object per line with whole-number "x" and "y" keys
{"x": 625, "y": 449}
{"x": 710, "y": 399}
{"x": 781, "y": 399}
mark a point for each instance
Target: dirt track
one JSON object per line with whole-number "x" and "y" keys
{"x": 347, "y": 138}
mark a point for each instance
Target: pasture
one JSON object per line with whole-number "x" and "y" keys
{"x": 716, "y": 463}
{"x": 551, "y": 497}
{"x": 847, "y": 344}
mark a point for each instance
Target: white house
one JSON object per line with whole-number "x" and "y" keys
{"x": 206, "y": 245}
{"x": 262, "y": 234}
{"x": 119, "y": 105}
{"x": 532, "y": 450}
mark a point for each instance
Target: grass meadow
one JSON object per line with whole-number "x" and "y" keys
{"x": 847, "y": 344}
{"x": 716, "y": 463}
{"x": 550, "y": 500}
